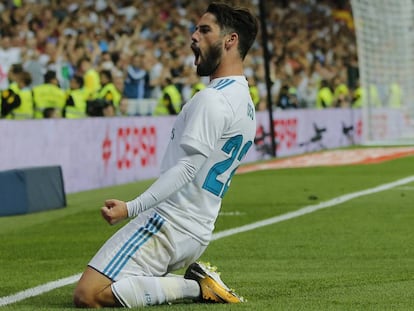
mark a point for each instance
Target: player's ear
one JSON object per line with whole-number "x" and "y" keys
{"x": 231, "y": 39}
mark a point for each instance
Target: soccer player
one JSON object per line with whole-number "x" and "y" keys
{"x": 173, "y": 220}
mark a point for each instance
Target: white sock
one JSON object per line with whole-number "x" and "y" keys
{"x": 140, "y": 291}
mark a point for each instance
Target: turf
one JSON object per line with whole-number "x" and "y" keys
{"x": 358, "y": 255}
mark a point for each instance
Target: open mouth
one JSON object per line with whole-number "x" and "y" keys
{"x": 197, "y": 54}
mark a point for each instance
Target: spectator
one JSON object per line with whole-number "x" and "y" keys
{"x": 123, "y": 107}
{"x": 285, "y": 99}
{"x": 108, "y": 110}
{"x": 254, "y": 91}
{"x": 137, "y": 79}
{"x": 155, "y": 68}
{"x": 32, "y": 65}
{"x": 51, "y": 113}
{"x": 76, "y": 102}
{"x": 192, "y": 85}
{"x": 91, "y": 79}
{"x": 17, "y": 100}
{"x": 9, "y": 98}
{"x": 170, "y": 102}
{"x": 342, "y": 98}
{"x": 9, "y": 55}
{"x": 109, "y": 92}
{"x": 309, "y": 41}
{"x": 48, "y": 95}
{"x": 14, "y": 71}
{"x": 25, "y": 109}
{"x": 325, "y": 97}
{"x": 357, "y": 96}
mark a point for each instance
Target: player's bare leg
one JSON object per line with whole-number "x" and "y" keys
{"x": 94, "y": 291}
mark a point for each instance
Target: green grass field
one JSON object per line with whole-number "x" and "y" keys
{"x": 357, "y": 255}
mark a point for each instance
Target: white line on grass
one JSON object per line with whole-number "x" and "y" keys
{"x": 41, "y": 289}
{"x": 38, "y": 290}
{"x": 312, "y": 208}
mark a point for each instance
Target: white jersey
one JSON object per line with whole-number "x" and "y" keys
{"x": 219, "y": 122}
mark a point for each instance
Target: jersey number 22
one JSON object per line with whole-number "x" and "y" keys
{"x": 232, "y": 147}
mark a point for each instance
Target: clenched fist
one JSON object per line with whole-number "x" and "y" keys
{"x": 114, "y": 211}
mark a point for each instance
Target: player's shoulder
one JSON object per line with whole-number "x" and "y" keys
{"x": 210, "y": 101}
{"x": 208, "y": 95}
{"x": 222, "y": 90}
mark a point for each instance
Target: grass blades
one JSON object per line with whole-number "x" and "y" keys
{"x": 354, "y": 256}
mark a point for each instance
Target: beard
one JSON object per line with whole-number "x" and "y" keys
{"x": 210, "y": 61}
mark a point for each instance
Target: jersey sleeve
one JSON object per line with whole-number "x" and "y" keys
{"x": 168, "y": 183}
{"x": 207, "y": 118}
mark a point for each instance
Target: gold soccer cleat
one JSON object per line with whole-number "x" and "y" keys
{"x": 212, "y": 287}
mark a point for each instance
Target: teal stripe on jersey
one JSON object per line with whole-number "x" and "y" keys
{"x": 223, "y": 83}
{"x": 139, "y": 238}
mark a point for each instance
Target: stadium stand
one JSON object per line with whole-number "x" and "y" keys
{"x": 309, "y": 41}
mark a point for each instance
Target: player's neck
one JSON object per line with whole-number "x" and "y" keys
{"x": 228, "y": 68}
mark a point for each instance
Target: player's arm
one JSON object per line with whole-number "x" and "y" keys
{"x": 167, "y": 184}
{"x": 197, "y": 142}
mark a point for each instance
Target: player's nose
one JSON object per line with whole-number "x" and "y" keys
{"x": 195, "y": 36}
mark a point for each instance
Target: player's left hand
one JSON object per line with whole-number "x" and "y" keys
{"x": 114, "y": 211}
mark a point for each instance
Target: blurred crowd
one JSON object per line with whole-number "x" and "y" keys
{"x": 79, "y": 58}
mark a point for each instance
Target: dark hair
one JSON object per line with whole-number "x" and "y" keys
{"x": 107, "y": 74}
{"x": 26, "y": 77}
{"x": 82, "y": 60}
{"x": 79, "y": 80}
{"x": 16, "y": 68}
{"x": 238, "y": 20}
{"x": 49, "y": 76}
{"x": 48, "y": 112}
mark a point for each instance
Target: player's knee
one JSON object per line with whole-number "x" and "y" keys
{"x": 83, "y": 298}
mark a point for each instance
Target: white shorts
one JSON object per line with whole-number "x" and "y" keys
{"x": 147, "y": 246}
